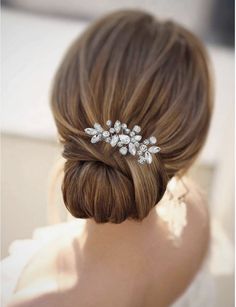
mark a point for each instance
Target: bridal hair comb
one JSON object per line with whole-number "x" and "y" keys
{"x": 128, "y": 140}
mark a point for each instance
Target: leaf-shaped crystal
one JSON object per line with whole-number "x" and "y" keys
{"x": 148, "y": 157}
{"x": 96, "y": 138}
{"x": 90, "y": 131}
{"x": 125, "y": 139}
{"x": 154, "y": 149}
{"x": 123, "y": 150}
{"x": 98, "y": 127}
{"x": 114, "y": 140}
{"x": 132, "y": 149}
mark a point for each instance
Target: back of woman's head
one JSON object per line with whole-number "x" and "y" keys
{"x": 129, "y": 67}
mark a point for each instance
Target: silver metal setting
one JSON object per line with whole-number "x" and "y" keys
{"x": 127, "y": 140}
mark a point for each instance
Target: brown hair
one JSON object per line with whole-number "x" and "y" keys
{"x": 128, "y": 66}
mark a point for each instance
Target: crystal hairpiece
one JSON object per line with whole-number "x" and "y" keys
{"x": 127, "y": 140}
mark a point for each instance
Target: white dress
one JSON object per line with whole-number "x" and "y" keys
{"x": 201, "y": 293}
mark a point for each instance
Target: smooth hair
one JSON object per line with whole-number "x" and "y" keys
{"x": 131, "y": 67}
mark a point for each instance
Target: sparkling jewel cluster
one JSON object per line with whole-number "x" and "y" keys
{"x": 128, "y": 140}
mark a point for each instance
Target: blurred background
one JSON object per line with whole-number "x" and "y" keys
{"x": 35, "y": 35}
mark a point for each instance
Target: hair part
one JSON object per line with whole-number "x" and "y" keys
{"x": 128, "y": 66}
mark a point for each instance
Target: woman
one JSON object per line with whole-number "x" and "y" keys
{"x": 140, "y": 243}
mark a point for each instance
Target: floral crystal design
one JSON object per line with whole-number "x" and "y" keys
{"x": 127, "y": 140}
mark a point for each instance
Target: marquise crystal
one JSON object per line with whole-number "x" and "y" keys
{"x": 148, "y": 157}
{"x": 132, "y": 149}
{"x": 114, "y": 140}
{"x": 128, "y": 140}
{"x": 96, "y": 138}
{"x": 91, "y": 131}
{"x": 154, "y": 149}
{"x": 98, "y": 127}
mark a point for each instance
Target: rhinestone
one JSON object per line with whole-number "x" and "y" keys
{"x": 124, "y": 126}
{"x": 137, "y": 129}
{"x": 108, "y": 140}
{"x": 114, "y": 140}
{"x": 136, "y": 144}
{"x": 141, "y": 160}
{"x": 125, "y": 139}
{"x": 109, "y": 123}
{"x": 119, "y": 144}
{"x": 132, "y": 133}
{"x": 127, "y": 130}
{"x": 148, "y": 157}
{"x": 152, "y": 140}
{"x": 96, "y": 138}
{"x": 154, "y": 149}
{"x": 132, "y": 149}
{"x": 146, "y": 142}
{"x": 123, "y": 150}
{"x": 90, "y": 131}
{"x": 117, "y": 129}
{"x": 98, "y": 127}
{"x": 138, "y": 138}
{"x": 105, "y": 134}
{"x": 139, "y": 152}
{"x": 117, "y": 124}
{"x": 143, "y": 147}
{"x": 112, "y": 130}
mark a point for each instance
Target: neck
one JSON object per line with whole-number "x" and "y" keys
{"x": 128, "y": 228}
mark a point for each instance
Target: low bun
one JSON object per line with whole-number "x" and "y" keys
{"x": 95, "y": 190}
{"x": 128, "y": 66}
{"x": 106, "y": 192}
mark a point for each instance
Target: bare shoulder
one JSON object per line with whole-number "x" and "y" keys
{"x": 196, "y": 229}
{"x": 184, "y": 260}
{"x": 195, "y": 239}
{"x": 39, "y": 283}
{"x": 198, "y": 226}
{"x": 196, "y": 235}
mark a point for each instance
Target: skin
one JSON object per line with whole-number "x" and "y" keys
{"x": 133, "y": 264}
